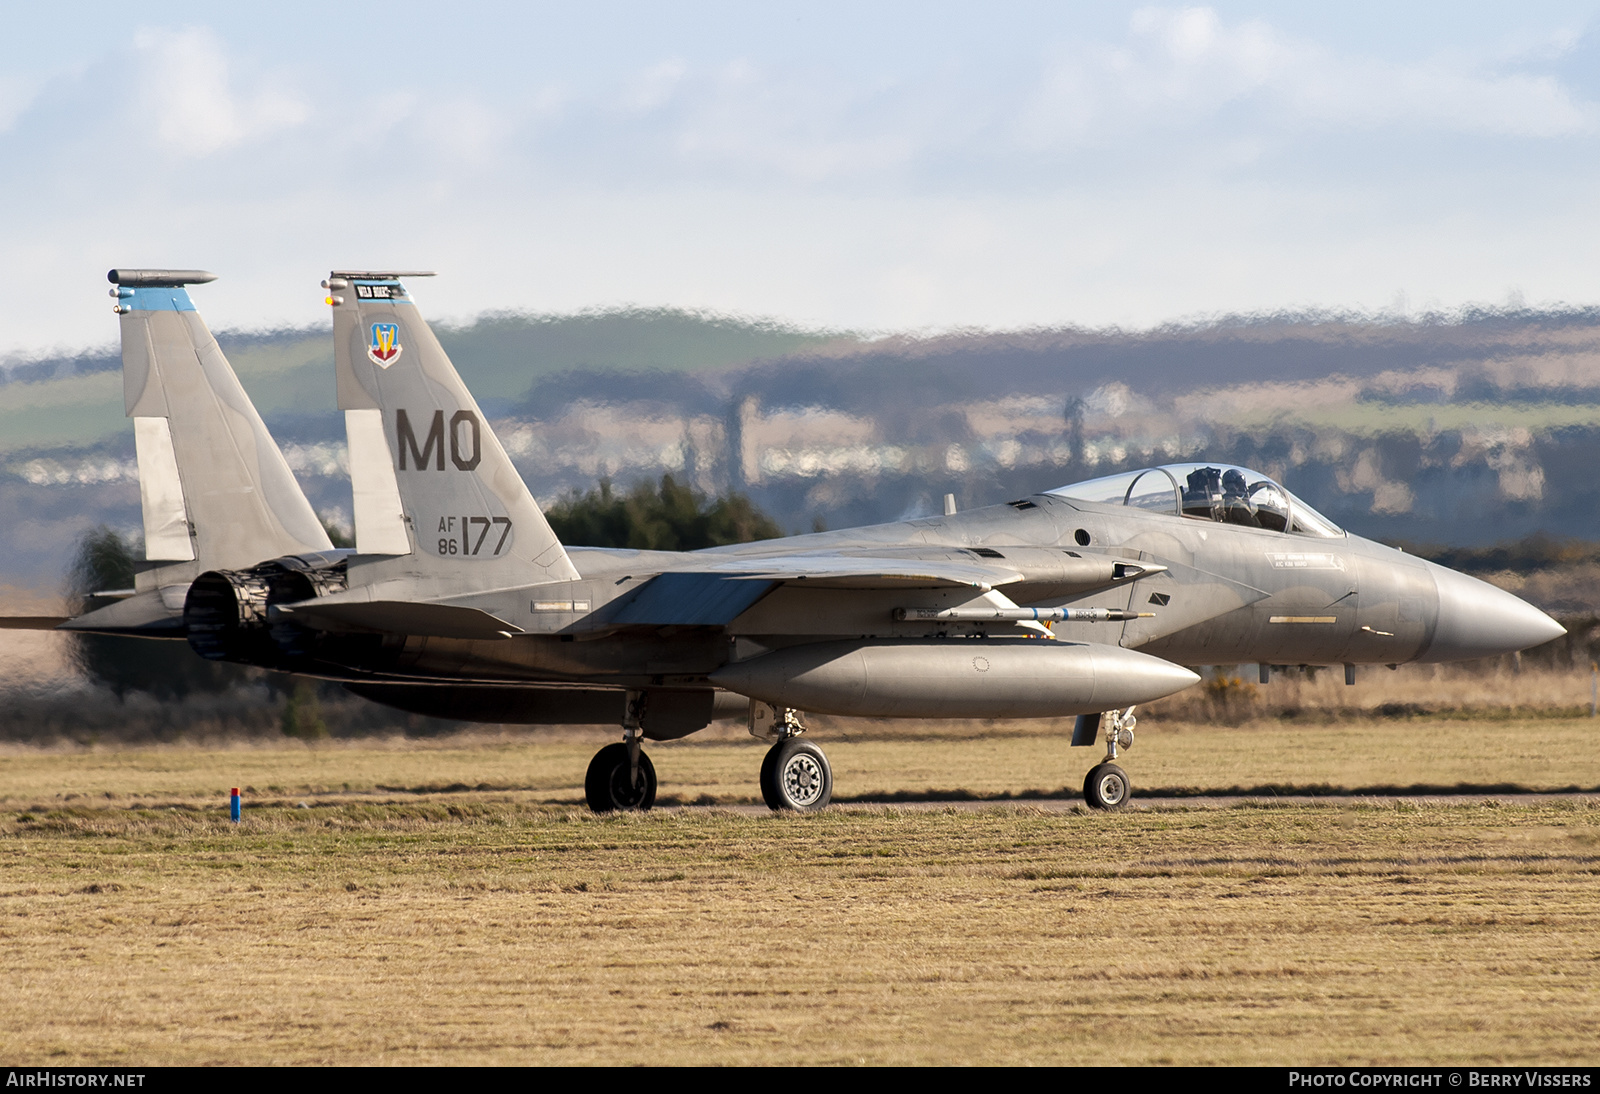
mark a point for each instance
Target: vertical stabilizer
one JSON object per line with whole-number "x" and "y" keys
{"x": 432, "y": 483}
{"x": 215, "y": 489}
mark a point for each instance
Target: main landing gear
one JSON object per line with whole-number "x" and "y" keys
{"x": 1107, "y": 786}
{"x": 621, "y": 776}
{"x": 795, "y": 774}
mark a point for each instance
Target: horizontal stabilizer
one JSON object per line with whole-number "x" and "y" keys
{"x": 147, "y": 615}
{"x": 854, "y": 572}
{"x": 400, "y": 617}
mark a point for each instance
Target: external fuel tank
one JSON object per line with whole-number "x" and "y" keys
{"x": 954, "y": 678}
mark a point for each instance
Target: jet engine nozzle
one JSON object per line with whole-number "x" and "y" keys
{"x": 228, "y": 616}
{"x": 1475, "y": 619}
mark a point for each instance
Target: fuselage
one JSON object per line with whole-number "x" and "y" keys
{"x": 1215, "y": 593}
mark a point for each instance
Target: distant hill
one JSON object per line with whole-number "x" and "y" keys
{"x": 76, "y": 402}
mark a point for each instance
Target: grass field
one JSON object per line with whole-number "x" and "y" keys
{"x": 873, "y": 762}
{"x": 448, "y": 902}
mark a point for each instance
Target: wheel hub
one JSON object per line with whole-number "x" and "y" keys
{"x": 1112, "y": 788}
{"x": 802, "y": 780}
{"x": 626, "y": 790}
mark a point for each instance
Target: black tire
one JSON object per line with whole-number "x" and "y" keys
{"x": 796, "y": 777}
{"x": 1107, "y": 787}
{"x": 768, "y": 761}
{"x": 608, "y": 787}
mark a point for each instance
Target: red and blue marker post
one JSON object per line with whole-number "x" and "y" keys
{"x": 233, "y": 805}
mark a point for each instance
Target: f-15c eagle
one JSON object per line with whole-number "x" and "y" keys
{"x": 459, "y": 601}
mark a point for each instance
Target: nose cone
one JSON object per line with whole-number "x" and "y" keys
{"x": 1126, "y": 677}
{"x": 1478, "y": 620}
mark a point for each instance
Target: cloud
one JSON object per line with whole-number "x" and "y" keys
{"x": 655, "y": 87}
{"x": 1183, "y": 160}
{"x": 16, "y": 95}
{"x": 1188, "y": 67}
{"x": 186, "y": 88}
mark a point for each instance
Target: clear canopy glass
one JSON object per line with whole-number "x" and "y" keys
{"x": 1207, "y": 491}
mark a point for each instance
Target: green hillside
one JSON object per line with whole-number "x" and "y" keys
{"x": 76, "y": 410}
{"x": 499, "y": 356}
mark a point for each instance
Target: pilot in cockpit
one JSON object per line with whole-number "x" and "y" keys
{"x": 1236, "y": 505}
{"x": 1221, "y": 493}
{"x": 1200, "y": 487}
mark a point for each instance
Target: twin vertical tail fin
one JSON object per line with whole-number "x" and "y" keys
{"x": 216, "y": 492}
{"x": 431, "y": 482}
{"x": 215, "y": 489}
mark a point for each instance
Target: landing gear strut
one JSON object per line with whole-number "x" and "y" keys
{"x": 1107, "y": 786}
{"x": 621, "y": 776}
{"x": 795, "y": 775}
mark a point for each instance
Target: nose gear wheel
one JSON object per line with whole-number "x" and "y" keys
{"x": 796, "y": 776}
{"x": 1106, "y": 787}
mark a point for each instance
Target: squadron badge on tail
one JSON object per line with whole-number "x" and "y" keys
{"x": 384, "y": 348}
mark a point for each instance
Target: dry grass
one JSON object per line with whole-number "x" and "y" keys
{"x": 872, "y": 762}
{"x": 445, "y": 924}
{"x": 1232, "y": 695}
{"x": 497, "y": 933}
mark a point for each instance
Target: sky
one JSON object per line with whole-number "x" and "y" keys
{"x": 872, "y": 167}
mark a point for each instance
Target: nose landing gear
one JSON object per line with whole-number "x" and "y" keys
{"x": 1107, "y": 786}
{"x": 795, "y": 775}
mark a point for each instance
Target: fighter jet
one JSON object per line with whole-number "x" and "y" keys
{"x": 1085, "y": 600}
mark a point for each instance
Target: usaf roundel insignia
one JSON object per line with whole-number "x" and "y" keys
{"x": 384, "y": 349}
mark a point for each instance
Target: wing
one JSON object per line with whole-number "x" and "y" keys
{"x": 831, "y": 571}
{"x": 709, "y": 596}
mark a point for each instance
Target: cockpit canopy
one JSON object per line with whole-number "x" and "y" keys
{"x": 1208, "y": 491}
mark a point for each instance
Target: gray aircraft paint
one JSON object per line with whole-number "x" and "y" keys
{"x": 937, "y": 617}
{"x": 215, "y": 490}
{"x": 525, "y": 612}
{"x": 246, "y": 506}
{"x": 930, "y": 678}
{"x": 469, "y": 520}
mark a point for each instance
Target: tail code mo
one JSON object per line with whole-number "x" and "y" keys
{"x": 466, "y": 445}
